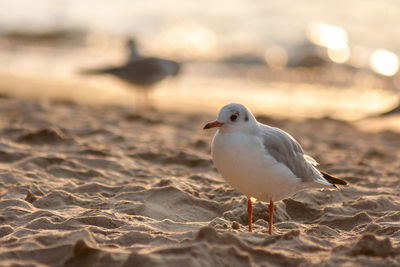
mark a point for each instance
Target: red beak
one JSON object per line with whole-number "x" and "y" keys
{"x": 212, "y": 125}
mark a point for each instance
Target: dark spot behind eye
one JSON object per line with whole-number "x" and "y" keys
{"x": 233, "y": 117}
{"x": 246, "y": 117}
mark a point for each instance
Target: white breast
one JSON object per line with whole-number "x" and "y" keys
{"x": 244, "y": 163}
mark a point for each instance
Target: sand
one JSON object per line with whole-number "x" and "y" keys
{"x": 109, "y": 186}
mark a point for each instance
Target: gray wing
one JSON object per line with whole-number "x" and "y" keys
{"x": 286, "y": 150}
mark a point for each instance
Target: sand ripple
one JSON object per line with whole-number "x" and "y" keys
{"x": 127, "y": 189}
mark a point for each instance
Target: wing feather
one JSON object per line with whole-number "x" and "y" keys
{"x": 286, "y": 150}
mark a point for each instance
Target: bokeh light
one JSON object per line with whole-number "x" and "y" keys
{"x": 330, "y": 36}
{"x": 191, "y": 41}
{"x": 339, "y": 55}
{"x": 384, "y": 62}
{"x": 276, "y": 57}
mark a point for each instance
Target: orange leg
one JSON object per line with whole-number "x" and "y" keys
{"x": 250, "y": 213}
{"x": 271, "y": 215}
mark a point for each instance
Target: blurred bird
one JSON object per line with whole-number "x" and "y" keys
{"x": 142, "y": 72}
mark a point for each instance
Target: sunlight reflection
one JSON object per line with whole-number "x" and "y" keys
{"x": 298, "y": 100}
{"x": 384, "y": 62}
{"x": 276, "y": 57}
{"x": 339, "y": 55}
{"x": 192, "y": 41}
{"x": 330, "y": 36}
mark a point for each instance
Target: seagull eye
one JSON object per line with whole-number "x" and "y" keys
{"x": 233, "y": 117}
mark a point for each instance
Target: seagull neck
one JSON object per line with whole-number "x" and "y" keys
{"x": 134, "y": 56}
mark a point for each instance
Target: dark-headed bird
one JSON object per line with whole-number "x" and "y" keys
{"x": 142, "y": 72}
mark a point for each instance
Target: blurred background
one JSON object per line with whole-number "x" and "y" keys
{"x": 282, "y": 58}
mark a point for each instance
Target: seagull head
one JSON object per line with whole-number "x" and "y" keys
{"x": 233, "y": 117}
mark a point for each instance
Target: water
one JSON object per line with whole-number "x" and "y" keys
{"x": 221, "y": 26}
{"x": 202, "y": 30}
{"x": 53, "y": 74}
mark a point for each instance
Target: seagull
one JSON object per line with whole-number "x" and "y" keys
{"x": 261, "y": 161}
{"x": 142, "y": 72}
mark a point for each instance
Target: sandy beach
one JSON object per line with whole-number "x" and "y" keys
{"x": 103, "y": 156}
{"x": 84, "y": 185}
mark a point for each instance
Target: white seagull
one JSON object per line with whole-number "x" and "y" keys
{"x": 261, "y": 161}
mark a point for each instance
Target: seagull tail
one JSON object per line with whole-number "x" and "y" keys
{"x": 93, "y": 71}
{"x": 332, "y": 179}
